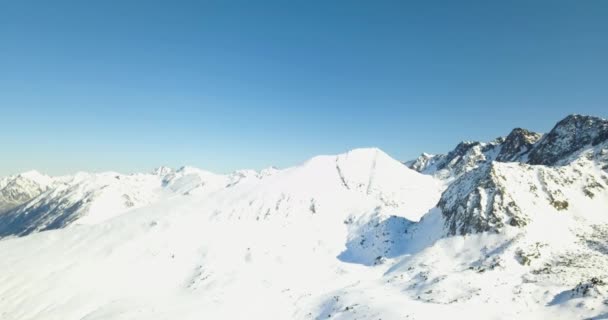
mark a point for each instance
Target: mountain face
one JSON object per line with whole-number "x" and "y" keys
{"x": 465, "y": 157}
{"x": 469, "y": 155}
{"x": 481, "y": 198}
{"x": 479, "y": 202}
{"x": 21, "y": 188}
{"x": 500, "y": 194}
{"x": 517, "y": 144}
{"x": 569, "y": 136}
{"x": 518, "y": 225}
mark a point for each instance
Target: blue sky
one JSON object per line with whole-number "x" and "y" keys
{"x": 222, "y": 85}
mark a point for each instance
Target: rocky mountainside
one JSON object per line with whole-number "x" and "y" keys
{"x": 15, "y": 190}
{"x": 517, "y": 144}
{"x": 486, "y": 179}
{"x": 560, "y": 146}
{"x": 569, "y": 137}
{"x": 468, "y": 155}
{"x": 541, "y": 200}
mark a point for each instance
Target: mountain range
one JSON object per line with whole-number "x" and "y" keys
{"x": 512, "y": 228}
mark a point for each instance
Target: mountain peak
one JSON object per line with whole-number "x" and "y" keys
{"x": 569, "y": 135}
{"x": 518, "y": 143}
{"x": 367, "y": 152}
{"x": 575, "y": 117}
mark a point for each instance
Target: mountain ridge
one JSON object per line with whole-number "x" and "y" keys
{"x": 324, "y": 239}
{"x": 471, "y": 169}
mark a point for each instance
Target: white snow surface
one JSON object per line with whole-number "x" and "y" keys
{"x": 352, "y": 236}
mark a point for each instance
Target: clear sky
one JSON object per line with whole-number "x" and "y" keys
{"x": 131, "y": 85}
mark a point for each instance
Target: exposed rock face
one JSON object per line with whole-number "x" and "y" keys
{"x": 467, "y": 156}
{"x": 570, "y": 135}
{"x": 479, "y": 202}
{"x": 498, "y": 195}
{"x": 517, "y": 144}
{"x": 427, "y": 162}
{"x": 491, "y": 183}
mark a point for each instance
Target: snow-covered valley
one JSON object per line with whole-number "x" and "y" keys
{"x": 513, "y": 228}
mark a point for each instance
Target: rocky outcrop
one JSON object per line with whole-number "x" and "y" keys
{"x": 479, "y": 202}
{"x": 517, "y": 144}
{"x": 427, "y": 163}
{"x": 467, "y": 156}
{"x": 570, "y": 135}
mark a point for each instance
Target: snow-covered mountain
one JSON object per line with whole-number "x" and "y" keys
{"x": 546, "y": 198}
{"x": 468, "y": 155}
{"x": 15, "y": 190}
{"x": 34, "y": 202}
{"x": 489, "y": 180}
{"x": 513, "y": 228}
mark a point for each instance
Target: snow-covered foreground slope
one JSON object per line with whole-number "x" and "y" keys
{"x": 491, "y": 231}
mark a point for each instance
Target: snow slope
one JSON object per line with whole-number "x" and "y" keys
{"x": 267, "y": 243}
{"x": 34, "y": 202}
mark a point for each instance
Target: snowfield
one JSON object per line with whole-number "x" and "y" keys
{"x": 479, "y": 233}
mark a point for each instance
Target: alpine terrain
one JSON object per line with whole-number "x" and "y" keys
{"x": 514, "y": 228}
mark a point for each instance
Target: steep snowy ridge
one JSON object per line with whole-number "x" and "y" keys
{"x": 375, "y": 173}
{"x": 467, "y": 156}
{"x": 569, "y": 136}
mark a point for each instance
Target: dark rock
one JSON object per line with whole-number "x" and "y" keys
{"x": 518, "y": 143}
{"x": 570, "y": 135}
{"x": 477, "y": 202}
